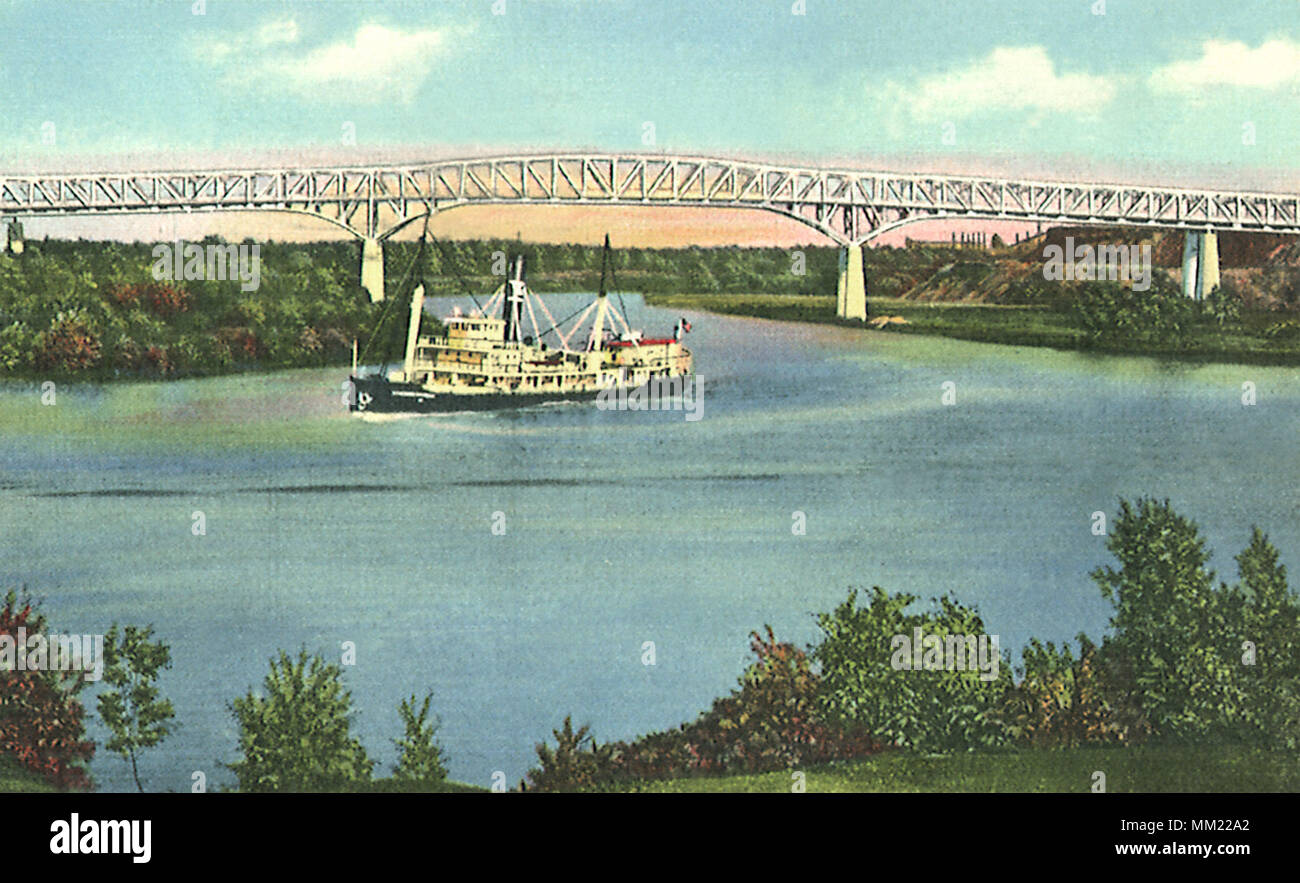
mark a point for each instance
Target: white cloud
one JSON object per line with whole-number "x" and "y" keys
{"x": 377, "y": 64}
{"x": 274, "y": 32}
{"x": 1272, "y": 64}
{"x": 1015, "y": 78}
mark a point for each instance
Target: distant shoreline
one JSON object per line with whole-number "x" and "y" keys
{"x": 1006, "y": 324}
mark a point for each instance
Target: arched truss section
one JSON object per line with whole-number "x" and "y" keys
{"x": 406, "y": 222}
{"x": 848, "y": 206}
{"x": 821, "y": 225}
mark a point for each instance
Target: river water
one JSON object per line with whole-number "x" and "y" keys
{"x": 621, "y": 528}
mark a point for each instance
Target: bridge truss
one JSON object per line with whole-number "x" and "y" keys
{"x": 849, "y": 207}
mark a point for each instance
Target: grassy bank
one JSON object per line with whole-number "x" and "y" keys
{"x": 1012, "y": 325}
{"x": 15, "y": 780}
{"x": 1128, "y": 770}
{"x": 1133, "y": 770}
{"x": 392, "y": 786}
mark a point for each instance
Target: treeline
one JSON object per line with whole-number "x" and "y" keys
{"x": 294, "y": 734}
{"x": 93, "y": 310}
{"x": 573, "y": 267}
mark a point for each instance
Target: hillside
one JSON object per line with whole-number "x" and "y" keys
{"x": 1262, "y": 268}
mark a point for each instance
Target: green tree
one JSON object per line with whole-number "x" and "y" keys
{"x": 421, "y": 759}
{"x": 926, "y": 710}
{"x": 136, "y": 713}
{"x": 1270, "y": 621}
{"x": 576, "y": 763}
{"x": 1184, "y": 640}
{"x": 297, "y": 736}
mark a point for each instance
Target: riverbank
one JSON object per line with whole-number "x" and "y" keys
{"x": 94, "y": 311}
{"x": 1146, "y": 769}
{"x": 1009, "y": 324}
{"x": 1128, "y": 770}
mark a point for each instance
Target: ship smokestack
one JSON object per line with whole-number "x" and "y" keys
{"x": 512, "y": 305}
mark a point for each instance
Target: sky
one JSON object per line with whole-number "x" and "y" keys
{"x": 1162, "y": 91}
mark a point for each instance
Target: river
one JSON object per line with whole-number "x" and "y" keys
{"x": 621, "y": 528}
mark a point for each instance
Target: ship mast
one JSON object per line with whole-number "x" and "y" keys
{"x": 602, "y": 304}
{"x": 413, "y": 330}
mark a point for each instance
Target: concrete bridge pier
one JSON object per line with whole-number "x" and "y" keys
{"x": 372, "y": 268}
{"x": 13, "y": 238}
{"x": 851, "y": 290}
{"x": 1200, "y": 263}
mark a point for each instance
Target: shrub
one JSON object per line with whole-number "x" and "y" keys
{"x": 41, "y": 721}
{"x": 242, "y": 343}
{"x": 163, "y": 300}
{"x": 309, "y": 341}
{"x": 1111, "y": 313}
{"x": 1222, "y": 305}
{"x": 576, "y": 763}
{"x": 166, "y": 301}
{"x": 297, "y": 737}
{"x": 158, "y": 359}
{"x": 69, "y": 346}
{"x": 128, "y": 356}
{"x": 771, "y": 723}
{"x": 1065, "y": 702}
{"x": 928, "y": 710}
{"x": 125, "y": 295}
{"x": 17, "y": 342}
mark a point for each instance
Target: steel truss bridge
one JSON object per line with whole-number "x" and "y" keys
{"x": 849, "y": 207}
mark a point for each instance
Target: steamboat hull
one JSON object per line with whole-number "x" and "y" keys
{"x": 377, "y": 395}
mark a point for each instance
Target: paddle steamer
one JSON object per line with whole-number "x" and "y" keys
{"x": 485, "y": 359}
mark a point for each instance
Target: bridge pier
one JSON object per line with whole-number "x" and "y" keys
{"x": 851, "y": 290}
{"x": 372, "y": 268}
{"x": 13, "y": 238}
{"x": 1200, "y": 263}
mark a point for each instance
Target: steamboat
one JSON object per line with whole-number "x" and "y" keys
{"x": 484, "y": 359}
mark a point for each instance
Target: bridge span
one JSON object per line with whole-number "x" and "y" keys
{"x": 849, "y": 207}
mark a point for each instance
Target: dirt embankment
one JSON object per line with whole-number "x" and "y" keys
{"x": 1264, "y": 268}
